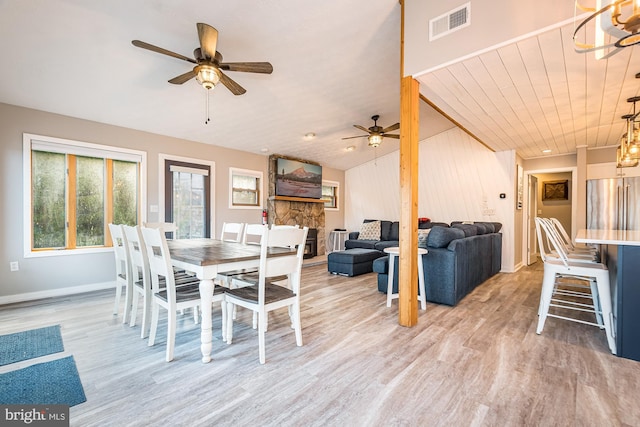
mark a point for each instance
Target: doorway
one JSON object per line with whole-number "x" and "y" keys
{"x": 551, "y": 205}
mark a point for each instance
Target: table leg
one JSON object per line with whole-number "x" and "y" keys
{"x": 390, "y": 279}
{"x": 206, "y": 337}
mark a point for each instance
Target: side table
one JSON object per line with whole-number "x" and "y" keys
{"x": 422, "y": 295}
{"x": 337, "y": 239}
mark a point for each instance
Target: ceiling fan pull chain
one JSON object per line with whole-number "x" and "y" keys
{"x": 207, "y": 103}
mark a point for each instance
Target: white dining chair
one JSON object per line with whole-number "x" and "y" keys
{"x": 141, "y": 278}
{"x": 253, "y": 234}
{"x": 232, "y": 232}
{"x": 558, "y": 270}
{"x": 266, "y": 296}
{"x": 170, "y": 228}
{"x": 123, "y": 270}
{"x": 172, "y": 297}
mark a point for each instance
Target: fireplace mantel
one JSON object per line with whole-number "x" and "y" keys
{"x": 296, "y": 199}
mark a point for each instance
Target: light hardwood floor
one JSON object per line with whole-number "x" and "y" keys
{"x": 480, "y": 363}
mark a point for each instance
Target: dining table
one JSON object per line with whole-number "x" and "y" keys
{"x": 206, "y": 258}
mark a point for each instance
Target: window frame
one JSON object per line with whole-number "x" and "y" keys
{"x": 259, "y": 188}
{"x": 336, "y": 187}
{"x": 74, "y": 148}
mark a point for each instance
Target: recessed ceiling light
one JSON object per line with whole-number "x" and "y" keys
{"x": 350, "y": 148}
{"x": 264, "y": 150}
{"x": 309, "y": 135}
{"x": 547, "y": 151}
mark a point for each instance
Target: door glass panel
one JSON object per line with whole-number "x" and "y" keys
{"x": 189, "y": 209}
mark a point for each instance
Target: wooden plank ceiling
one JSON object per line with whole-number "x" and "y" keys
{"x": 538, "y": 94}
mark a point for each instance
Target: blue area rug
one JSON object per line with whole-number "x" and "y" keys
{"x": 49, "y": 383}
{"x": 29, "y": 344}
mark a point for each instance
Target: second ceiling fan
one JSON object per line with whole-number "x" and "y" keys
{"x": 375, "y": 133}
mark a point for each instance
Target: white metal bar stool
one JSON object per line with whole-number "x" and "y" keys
{"x": 562, "y": 267}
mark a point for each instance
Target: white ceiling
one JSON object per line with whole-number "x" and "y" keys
{"x": 336, "y": 63}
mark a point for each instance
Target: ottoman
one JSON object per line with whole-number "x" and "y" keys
{"x": 352, "y": 262}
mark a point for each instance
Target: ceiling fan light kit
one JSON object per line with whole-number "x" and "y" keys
{"x": 207, "y": 76}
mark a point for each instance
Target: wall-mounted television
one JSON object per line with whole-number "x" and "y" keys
{"x": 295, "y": 178}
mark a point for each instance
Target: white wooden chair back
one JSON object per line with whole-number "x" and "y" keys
{"x": 167, "y": 227}
{"x": 138, "y": 253}
{"x": 253, "y": 234}
{"x": 120, "y": 250}
{"x": 289, "y": 265}
{"x": 232, "y": 232}
{"x": 159, "y": 261}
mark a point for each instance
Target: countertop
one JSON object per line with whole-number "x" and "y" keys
{"x": 609, "y": 237}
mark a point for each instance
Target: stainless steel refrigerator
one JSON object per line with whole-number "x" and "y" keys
{"x": 613, "y": 204}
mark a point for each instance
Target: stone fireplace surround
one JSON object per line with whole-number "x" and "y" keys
{"x": 295, "y": 210}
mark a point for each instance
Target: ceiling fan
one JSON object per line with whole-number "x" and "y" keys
{"x": 208, "y": 69}
{"x": 375, "y": 133}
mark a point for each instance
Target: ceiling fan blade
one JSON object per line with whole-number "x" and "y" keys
{"x": 144, "y": 45}
{"x": 182, "y": 78}
{"x": 391, "y": 136}
{"x": 362, "y": 128}
{"x": 391, "y": 128}
{"x": 359, "y": 136}
{"x": 208, "y": 40}
{"x": 248, "y": 67}
{"x": 234, "y": 87}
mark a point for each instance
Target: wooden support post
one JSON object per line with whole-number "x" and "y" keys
{"x": 408, "y": 259}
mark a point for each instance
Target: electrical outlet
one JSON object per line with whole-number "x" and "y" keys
{"x": 14, "y": 266}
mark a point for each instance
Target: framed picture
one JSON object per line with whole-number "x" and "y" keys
{"x": 556, "y": 190}
{"x": 520, "y": 187}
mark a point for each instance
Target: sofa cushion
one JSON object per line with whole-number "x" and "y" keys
{"x": 385, "y": 230}
{"x": 383, "y": 244}
{"x": 422, "y": 237}
{"x": 440, "y": 237}
{"x": 489, "y": 226}
{"x": 357, "y": 243}
{"x": 394, "y": 231}
{"x": 468, "y": 229}
{"x": 496, "y": 227}
{"x": 369, "y": 231}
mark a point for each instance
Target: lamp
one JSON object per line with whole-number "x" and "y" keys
{"x": 618, "y": 18}
{"x": 375, "y": 139}
{"x": 207, "y": 75}
{"x": 628, "y": 153}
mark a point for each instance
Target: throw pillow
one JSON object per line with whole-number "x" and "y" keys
{"x": 369, "y": 231}
{"x": 422, "y": 237}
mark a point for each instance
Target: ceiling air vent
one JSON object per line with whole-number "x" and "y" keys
{"x": 449, "y": 22}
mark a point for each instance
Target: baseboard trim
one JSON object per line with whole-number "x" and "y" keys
{"x": 73, "y": 290}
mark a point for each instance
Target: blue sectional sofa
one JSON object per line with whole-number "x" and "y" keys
{"x": 389, "y": 235}
{"x": 459, "y": 258}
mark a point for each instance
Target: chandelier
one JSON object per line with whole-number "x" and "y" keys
{"x": 618, "y": 18}
{"x": 628, "y": 152}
